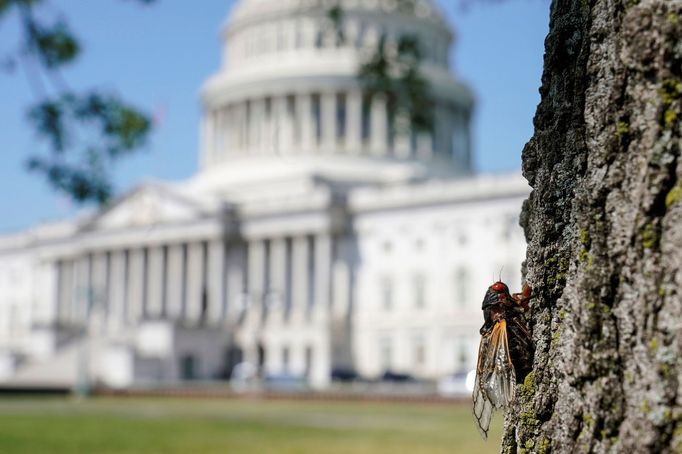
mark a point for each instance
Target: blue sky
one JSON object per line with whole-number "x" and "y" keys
{"x": 158, "y": 57}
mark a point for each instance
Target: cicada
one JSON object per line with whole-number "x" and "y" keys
{"x": 505, "y": 354}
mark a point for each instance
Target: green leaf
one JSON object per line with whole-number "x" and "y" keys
{"x": 80, "y": 168}
{"x": 82, "y": 184}
{"x": 48, "y": 119}
{"x": 399, "y": 78}
{"x": 56, "y": 46}
{"x": 4, "y": 6}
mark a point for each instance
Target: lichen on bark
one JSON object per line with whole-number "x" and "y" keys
{"x": 604, "y": 231}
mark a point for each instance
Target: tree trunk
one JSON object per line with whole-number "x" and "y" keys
{"x": 604, "y": 231}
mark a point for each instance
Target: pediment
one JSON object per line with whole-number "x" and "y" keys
{"x": 147, "y": 205}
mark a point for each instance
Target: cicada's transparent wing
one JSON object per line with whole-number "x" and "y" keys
{"x": 483, "y": 408}
{"x": 495, "y": 377}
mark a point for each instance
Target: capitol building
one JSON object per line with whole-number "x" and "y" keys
{"x": 315, "y": 239}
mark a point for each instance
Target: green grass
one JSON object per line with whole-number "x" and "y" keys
{"x": 127, "y": 425}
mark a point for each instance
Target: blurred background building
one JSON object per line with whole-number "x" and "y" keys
{"x": 317, "y": 240}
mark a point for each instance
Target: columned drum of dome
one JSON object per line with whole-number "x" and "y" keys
{"x": 288, "y": 87}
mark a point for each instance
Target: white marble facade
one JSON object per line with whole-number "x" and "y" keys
{"x": 313, "y": 238}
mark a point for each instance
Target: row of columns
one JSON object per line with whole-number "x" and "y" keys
{"x": 328, "y": 123}
{"x": 209, "y": 281}
{"x": 289, "y": 277}
{"x": 318, "y": 33}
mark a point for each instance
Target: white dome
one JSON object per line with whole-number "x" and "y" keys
{"x": 288, "y": 86}
{"x": 421, "y": 9}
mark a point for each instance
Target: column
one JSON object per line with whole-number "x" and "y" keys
{"x": 82, "y": 289}
{"x": 66, "y": 295}
{"x": 286, "y": 132}
{"x": 306, "y": 122}
{"x": 155, "y": 282}
{"x": 307, "y": 33}
{"x": 46, "y": 292}
{"x": 323, "y": 264}
{"x": 135, "y": 297}
{"x": 224, "y": 134}
{"x": 232, "y": 131}
{"x": 378, "y": 125}
{"x": 321, "y": 365}
{"x": 266, "y": 128}
{"x": 117, "y": 290}
{"x": 208, "y": 137}
{"x": 278, "y": 277}
{"x": 216, "y": 281}
{"x": 354, "y": 121}
{"x": 441, "y": 131}
{"x": 256, "y": 275}
{"x": 467, "y": 123}
{"x": 424, "y": 145}
{"x": 256, "y": 126}
{"x": 340, "y": 289}
{"x": 99, "y": 283}
{"x": 175, "y": 282}
{"x": 328, "y": 119}
{"x": 299, "y": 290}
{"x": 289, "y": 32}
{"x": 279, "y": 113}
{"x": 241, "y": 132}
{"x": 195, "y": 282}
{"x": 448, "y": 131}
{"x": 351, "y": 32}
{"x": 403, "y": 135}
{"x": 371, "y": 38}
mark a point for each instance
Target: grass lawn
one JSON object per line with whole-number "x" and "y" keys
{"x": 151, "y": 425}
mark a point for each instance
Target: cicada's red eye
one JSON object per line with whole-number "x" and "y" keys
{"x": 498, "y": 287}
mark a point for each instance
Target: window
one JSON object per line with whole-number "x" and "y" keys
{"x": 510, "y": 227}
{"x": 385, "y": 353}
{"x": 188, "y": 367}
{"x": 463, "y": 356}
{"x": 419, "y": 351}
{"x": 308, "y": 360}
{"x": 285, "y": 359}
{"x": 462, "y": 287}
{"x": 419, "y": 291}
{"x": 387, "y": 293}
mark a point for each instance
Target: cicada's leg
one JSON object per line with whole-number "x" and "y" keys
{"x": 523, "y": 297}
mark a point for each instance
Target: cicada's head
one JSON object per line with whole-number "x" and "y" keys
{"x": 495, "y": 294}
{"x": 499, "y": 287}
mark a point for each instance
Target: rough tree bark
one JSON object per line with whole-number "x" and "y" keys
{"x": 604, "y": 231}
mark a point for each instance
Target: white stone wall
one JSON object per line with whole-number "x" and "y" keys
{"x": 451, "y": 253}
{"x": 18, "y": 300}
